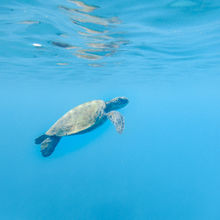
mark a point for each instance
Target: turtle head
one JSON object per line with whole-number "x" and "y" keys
{"x": 116, "y": 103}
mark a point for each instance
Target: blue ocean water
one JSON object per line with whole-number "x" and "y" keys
{"x": 164, "y": 56}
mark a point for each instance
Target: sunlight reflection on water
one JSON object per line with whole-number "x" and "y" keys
{"x": 142, "y": 41}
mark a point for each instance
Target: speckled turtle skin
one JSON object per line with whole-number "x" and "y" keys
{"x": 79, "y": 119}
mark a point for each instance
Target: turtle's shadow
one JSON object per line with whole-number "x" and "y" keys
{"x": 74, "y": 143}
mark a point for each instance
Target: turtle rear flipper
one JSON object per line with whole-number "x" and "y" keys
{"x": 49, "y": 144}
{"x": 40, "y": 139}
{"x": 117, "y": 119}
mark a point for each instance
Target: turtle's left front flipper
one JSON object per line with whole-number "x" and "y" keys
{"x": 117, "y": 119}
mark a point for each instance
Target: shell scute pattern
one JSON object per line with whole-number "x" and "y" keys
{"x": 79, "y": 119}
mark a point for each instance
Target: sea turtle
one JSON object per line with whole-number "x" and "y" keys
{"x": 82, "y": 119}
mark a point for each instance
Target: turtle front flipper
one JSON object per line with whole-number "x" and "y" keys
{"x": 117, "y": 119}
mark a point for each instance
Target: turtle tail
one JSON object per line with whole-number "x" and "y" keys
{"x": 49, "y": 144}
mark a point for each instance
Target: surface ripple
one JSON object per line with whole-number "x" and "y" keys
{"x": 83, "y": 41}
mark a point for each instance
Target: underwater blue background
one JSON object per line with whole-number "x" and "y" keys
{"x": 164, "y": 56}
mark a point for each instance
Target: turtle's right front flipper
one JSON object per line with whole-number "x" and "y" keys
{"x": 117, "y": 119}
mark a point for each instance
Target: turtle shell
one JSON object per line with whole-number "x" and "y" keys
{"x": 79, "y": 119}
